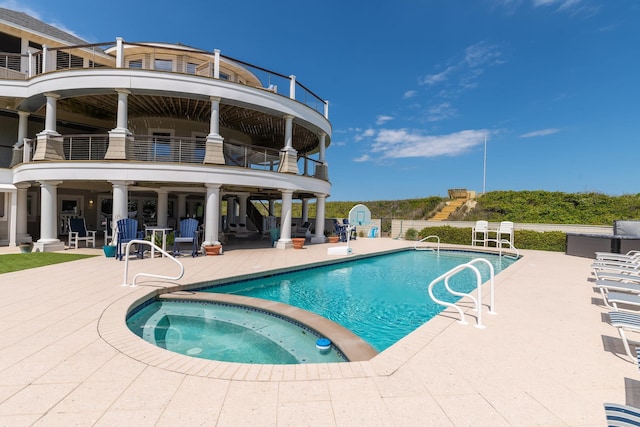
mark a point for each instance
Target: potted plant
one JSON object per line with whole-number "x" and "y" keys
{"x": 298, "y": 242}
{"x": 213, "y": 249}
{"x": 25, "y": 247}
{"x": 332, "y": 236}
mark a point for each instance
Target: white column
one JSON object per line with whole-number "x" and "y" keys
{"x": 212, "y": 214}
{"x": 120, "y": 205}
{"x": 292, "y": 86}
{"x": 285, "y": 221}
{"x": 216, "y": 64}
{"x": 23, "y": 121}
{"x": 123, "y": 110}
{"x": 242, "y": 208}
{"x": 231, "y": 211}
{"x": 119, "y": 52}
{"x": 13, "y": 216}
{"x": 305, "y": 210}
{"x": 45, "y": 54}
{"x": 51, "y": 114}
{"x": 21, "y": 213}
{"x": 49, "y": 218}
{"x": 318, "y": 237}
{"x": 162, "y": 210}
{"x": 288, "y": 132}
{"x": 214, "y": 126}
{"x": 182, "y": 206}
{"x": 321, "y": 156}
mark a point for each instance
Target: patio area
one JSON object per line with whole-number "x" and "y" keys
{"x": 548, "y": 357}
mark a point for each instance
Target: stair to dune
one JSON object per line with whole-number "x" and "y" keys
{"x": 459, "y": 197}
{"x": 449, "y": 208}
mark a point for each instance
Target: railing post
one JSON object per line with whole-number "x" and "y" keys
{"x": 216, "y": 64}
{"x": 44, "y": 58}
{"x": 30, "y": 63}
{"x": 326, "y": 109}
{"x": 292, "y": 86}
{"x": 119, "y": 52}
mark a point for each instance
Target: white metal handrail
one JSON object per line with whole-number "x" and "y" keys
{"x": 510, "y": 245}
{"x": 415, "y": 245}
{"x": 155, "y": 247}
{"x": 477, "y": 301}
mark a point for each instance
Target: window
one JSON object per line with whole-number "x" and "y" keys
{"x": 163, "y": 65}
{"x": 191, "y": 68}
{"x": 224, "y": 76}
{"x": 136, "y": 63}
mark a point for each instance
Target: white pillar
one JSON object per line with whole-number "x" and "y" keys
{"x": 120, "y": 207}
{"x": 21, "y": 213}
{"x": 285, "y": 221}
{"x": 23, "y": 121}
{"x": 13, "y": 216}
{"x": 123, "y": 110}
{"x": 45, "y": 54}
{"x": 214, "y": 125}
{"x": 231, "y": 215}
{"x": 162, "y": 209}
{"x": 119, "y": 52}
{"x": 49, "y": 218}
{"x": 318, "y": 237}
{"x": 242, "y": 208}
{"x": 321, "y": 156}
{"x": 51, "y": 114}
{"x": 288, "y": 132}
{"x": 292, "y": 86}
{"x": 216, "y": 64}
{"x": 212, "y": 214}
{"x": 305, "y": 210}
{"x": 182, "y": 206}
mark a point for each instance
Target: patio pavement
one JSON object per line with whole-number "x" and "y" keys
{"x": 548, "y": 358}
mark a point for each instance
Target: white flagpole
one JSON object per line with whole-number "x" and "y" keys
{"x": 484, "y": 171}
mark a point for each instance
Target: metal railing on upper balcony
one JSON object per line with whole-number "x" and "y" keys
{"x": 166, "y": 149}
{"x": 182, "y": 60}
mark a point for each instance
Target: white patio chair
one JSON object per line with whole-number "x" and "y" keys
{"x": 78, "y": 232}
{"x": 480, "y": 233}
{"x": 505, "y": 229}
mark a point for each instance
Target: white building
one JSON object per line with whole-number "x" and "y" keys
{"x": 153, "y": 131}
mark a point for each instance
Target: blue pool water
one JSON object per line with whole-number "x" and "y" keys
{"x": 227, "y": 333}
{"x": 381, "y": 298}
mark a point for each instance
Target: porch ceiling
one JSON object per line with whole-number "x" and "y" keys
{"x": 266, "y": 130}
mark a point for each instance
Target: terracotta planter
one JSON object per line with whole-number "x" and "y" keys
{"x": 212, "y": 250}
{"x": 298, "y": 242}
{"x": 334, "y": 239}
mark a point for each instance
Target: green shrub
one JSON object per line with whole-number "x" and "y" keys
{"x": 411, "y": 234}
{"x": 522, "y": 239}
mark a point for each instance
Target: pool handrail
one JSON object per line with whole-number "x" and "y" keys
{"x": 155, "y": 247}
{"x": 415, "y": 245}
{"x": 500, "y": 242}
{"x": 477, "y": 301}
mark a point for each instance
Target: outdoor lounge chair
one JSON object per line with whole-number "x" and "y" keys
{"x": 621, "y": 415}
{"x": 301, "y": 231}
{"x": 480, "y": 233}
{"x": 625, "y": 321}
{"x": 78, "y": 232}
{"x": 187, "y": 233}
{"x": 128, "y": 231}
{"x": 612, "y": 256}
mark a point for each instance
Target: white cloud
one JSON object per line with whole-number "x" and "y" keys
{"x": 363, "y": 158}
{"x": 401, "y": 143}
{"x": 432, "y": 79}
{"x": 440, "y": 112}
{"x": 409, "y": 94}
{"x": 380, "y": 120}
{"x": 542, "y": 132}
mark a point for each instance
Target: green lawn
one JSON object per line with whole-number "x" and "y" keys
{"x": 15, "y": 262}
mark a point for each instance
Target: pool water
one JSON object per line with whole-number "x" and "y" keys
{"x": 227, "y": 333}
{"x": 381, "y": 298}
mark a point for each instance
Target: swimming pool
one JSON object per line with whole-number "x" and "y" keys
{"x": 381, "y": 298}
{"x": 228, "y": 333}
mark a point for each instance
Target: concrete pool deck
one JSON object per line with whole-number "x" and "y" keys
{"x": 547, "y": 358}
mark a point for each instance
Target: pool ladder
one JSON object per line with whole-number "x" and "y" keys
{"x": 477, "y": 299}
{"x": 156, "y": 248}
{"x": 427, "y": 248}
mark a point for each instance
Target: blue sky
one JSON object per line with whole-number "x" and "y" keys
{"x": 415, "y": 86}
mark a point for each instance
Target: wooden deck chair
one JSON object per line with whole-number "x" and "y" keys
{"x": 187, "y": 233}
{"x": 128, "y": 231}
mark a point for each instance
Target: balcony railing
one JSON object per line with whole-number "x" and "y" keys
{"x": 165, "y": 149}
{"x": 181, "y": 60}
